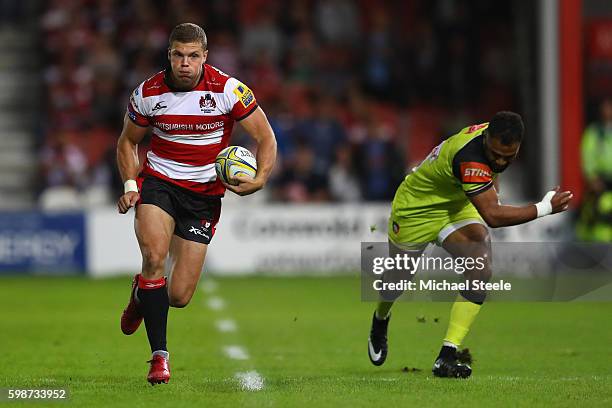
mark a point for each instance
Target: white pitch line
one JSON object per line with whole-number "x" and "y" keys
{"x": 209, "y": 286}
{"x": 250, "y": 380}
{"x": 226, "y": 325}
{"x": 236, "y": 352}
{"x": 215, "y": 303}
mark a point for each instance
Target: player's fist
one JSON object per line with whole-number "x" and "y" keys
{"x": 127, "y": 201}
{"x": 245, "y": 185}
{"x": 560, "y": 200}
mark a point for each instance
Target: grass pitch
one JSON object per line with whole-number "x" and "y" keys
{"x": 307, "y": 338}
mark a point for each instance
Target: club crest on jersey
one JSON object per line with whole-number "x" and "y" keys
{"x": 244, "y": 94}
{"x": 475, "y": 128}
{"x": 475, "y": 172}
{"x": 207, "y": 103}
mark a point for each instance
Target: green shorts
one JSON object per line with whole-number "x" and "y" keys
{"x": 415, "y": 228}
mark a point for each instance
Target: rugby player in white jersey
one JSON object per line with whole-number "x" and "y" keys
{"x": 191, "y": 108}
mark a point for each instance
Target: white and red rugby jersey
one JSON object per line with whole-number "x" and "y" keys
{"x": 190, "y": 128}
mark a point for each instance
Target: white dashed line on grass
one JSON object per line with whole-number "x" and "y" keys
{"x": 226, "y": 325}
{"x": 209, "y": 286}
{"x": 250, "y": 380}
{"x": 216, "y": 303}
{"x": 236, "y": 352}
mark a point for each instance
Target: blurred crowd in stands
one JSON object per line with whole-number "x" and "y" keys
{"x": 357, "y": 91}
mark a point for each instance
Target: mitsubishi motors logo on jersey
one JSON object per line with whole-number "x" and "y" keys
{"x": 207, "y": 103}
{"x": 475, "y": 172}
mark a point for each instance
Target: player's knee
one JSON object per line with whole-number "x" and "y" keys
{"x": 486, "y": 274}
{"x": 178, "y": 303}
{"x": 478, "y": 234}
{"x": 179, "y": 300}
{"x": 483, "y": 274}
{"x": 487, "y": 271}
{"x": 154, "y": 261}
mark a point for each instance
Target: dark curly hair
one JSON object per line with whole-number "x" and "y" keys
{"x": 507, "y": 126}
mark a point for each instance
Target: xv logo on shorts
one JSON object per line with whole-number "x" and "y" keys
{"x": 199, "y": 231}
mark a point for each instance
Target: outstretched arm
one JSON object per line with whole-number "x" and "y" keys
{"x": 257, "y": 125}
{"x": 497, "y": 215}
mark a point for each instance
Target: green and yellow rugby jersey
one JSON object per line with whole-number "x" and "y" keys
{"x": 436, "y": 193}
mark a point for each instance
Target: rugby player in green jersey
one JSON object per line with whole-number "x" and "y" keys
{"x": 450, "y": 199}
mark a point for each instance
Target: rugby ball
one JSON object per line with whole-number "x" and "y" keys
{"x": 235, "y": 160}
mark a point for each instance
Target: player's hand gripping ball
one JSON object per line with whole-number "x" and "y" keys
{"x": 233, "y": 161}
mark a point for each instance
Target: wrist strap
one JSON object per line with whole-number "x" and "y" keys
{"x": 544, "y": 207}
{"x": 130, "y": 185}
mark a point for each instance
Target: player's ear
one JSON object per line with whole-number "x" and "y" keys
{"x": 168, "y": 53}
{"x": 205, "y": 55}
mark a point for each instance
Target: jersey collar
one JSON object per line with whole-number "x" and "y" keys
{"x": 170, "y": 85}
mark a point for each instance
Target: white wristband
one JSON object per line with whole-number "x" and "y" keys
{"x": 130, "y": 185}
{"x": 544, "y": 207}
